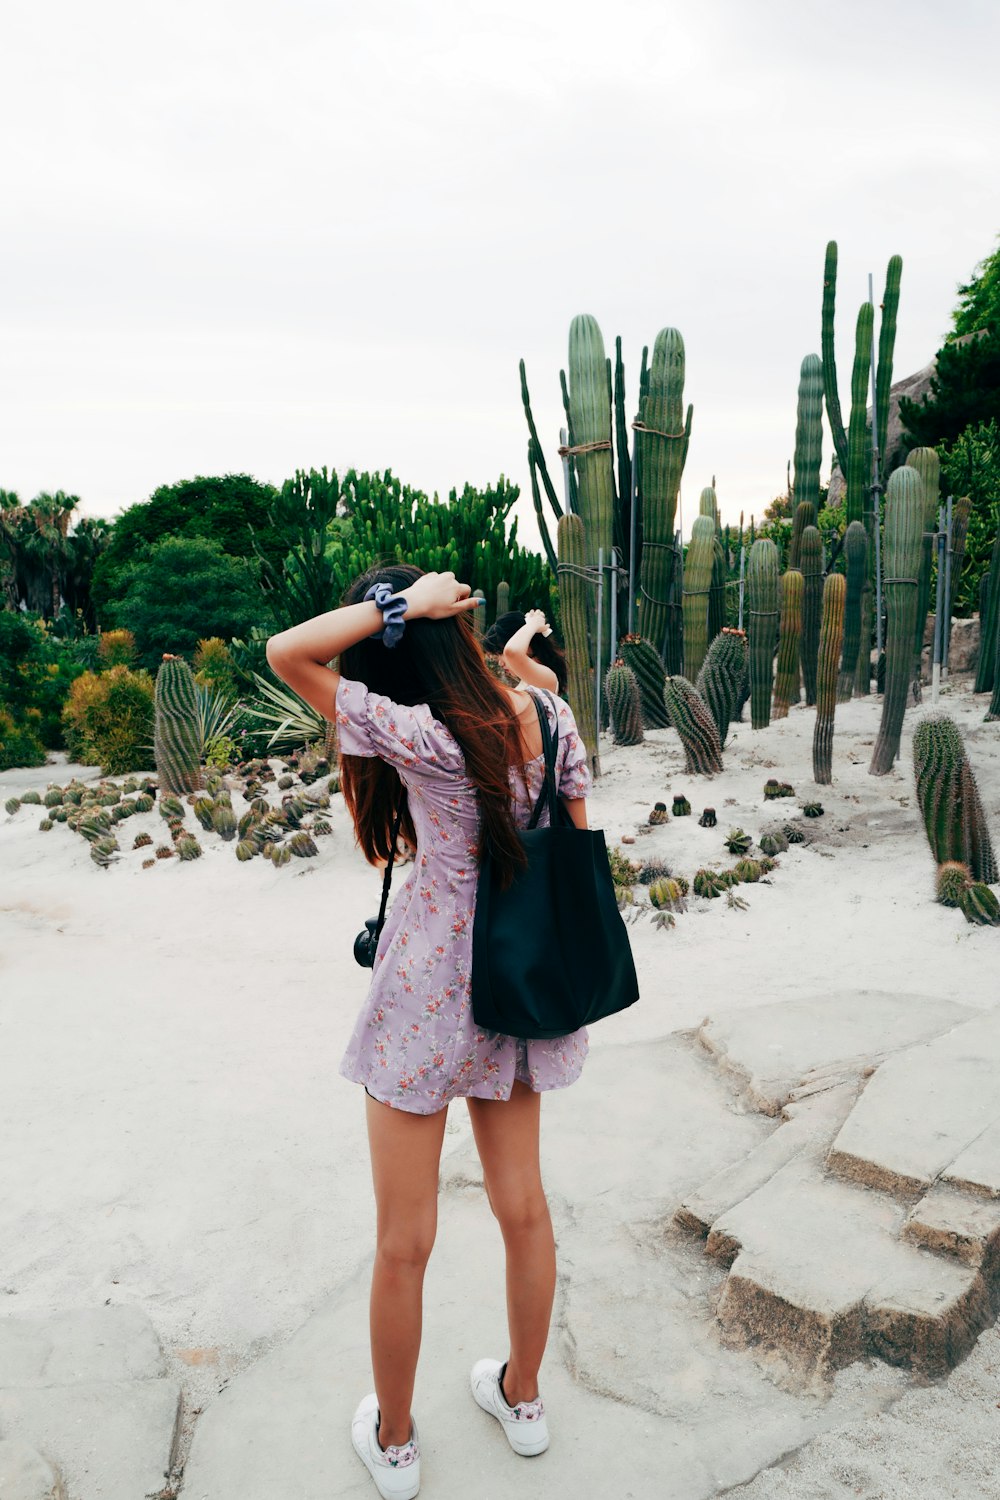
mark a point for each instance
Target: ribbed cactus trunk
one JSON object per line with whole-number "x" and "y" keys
{"x": 644, "y": 660}
{"x": 858, "y": 472}
{"x": 809, "y": 432}
{"x": 479, "y": 615}
{"x": 961, "y": 511}
{"x": 831, "y": 637}
{"x": 720, "y": 681}
{"x": 762, "y": 621}
{"x": 573, "y": 604}
{"x": 589, "y": 413}
{"x": 829, "y": 363}
{"x": 624, "y": 704}
{"x": 856, "y": 558}
{"x": 786, "y": 681}
{"x": 904, "y": 525}
{"x": 690, "y": 715}
{"x": 177, "y": 727}
{"x": 811, "y": 563}
{"x": 863, "y": 676}
{"x": 698, "y": 566}
{"x": 928, "y": 466}
{"x": 989, "y": 617}
{"x": 949, "y": 799}
{"x": 886, "y": 347}
{"x": 662, "y": 436}
{"x": 503, "y": 598}
{"x": 805, "y": 515}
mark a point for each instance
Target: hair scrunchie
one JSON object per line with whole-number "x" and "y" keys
{"x": 393, "y": 607}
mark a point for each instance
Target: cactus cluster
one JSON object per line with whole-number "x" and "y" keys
{"x": 827, "y": 670}
{"x": 662, "y": 437}
{"x": 721, "y": 678}
{"x": 904, "y": 525}
{"x": 856, "y": 559}
{"x": 762, "y": 617}
{"x": 949, "y": 799}
{"x": 177, "y": 727}
{"x": 774, "y": 789}
{"x": 624, "y": 704}
{"x": 786, "y": 679}
{"x": 695, "y": 726}
{"x": 698, "y": 568}
{"x": 644, "y": 661}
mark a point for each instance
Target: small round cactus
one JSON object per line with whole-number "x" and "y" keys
{"x": 224, "y": 821}
{"x": 203, "y": 810}
{"x": 812, "y": 809}
{"x": 260, "y": 806}
{"x": 953, "y": 880}
{"x": 302, "y": 845}
{"x": 60, "y": 814}
{"x": 103, "y": 851}
{"x": 188, "y": 847}
{"x": 246, "y": 849}
{"x": 284, "y": 782}
{"x": 31, "y": 799}
{"x": 164, "y": 851}
{"x": 659, "y": 814}
{"x": 624, "y": 896}
{"x": 794, "y": 834}
{"x": 280, "y": 854}
{"x": 144, "y": 803}
{"x": 141, "y": 841}
{"x": 110, "y": 796}
{"x": 738, "y": 842}
{"x": 11, "y": 805}
{"x": 321, "y": 828}
{"x": 653, "y": 869}
{"x": 709, "y": 883}
{"x": 681, "y": 807}
{"x": 767, "y": 864}
{"x": 171, "y": 807}
{"x": 53, "y": 797}
{"x": 775, "y": 841}
{"x": 708, "y": 818}
{"x": 747, "y": 871}
{"x": 666, "y": 895}
{"x": 980, "y": 906}
{"x": 148, "y": 864}
{"x": 45, "y": 825}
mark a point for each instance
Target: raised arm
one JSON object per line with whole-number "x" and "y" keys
{"x": 301, "y": 656}
{"x": 520, "y": 663}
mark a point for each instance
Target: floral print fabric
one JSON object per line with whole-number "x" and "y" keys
{"x": 415, "y": 1045}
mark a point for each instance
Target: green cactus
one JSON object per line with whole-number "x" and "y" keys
{"x": 762, "y": 616}
{"x": 775, "y": 789}
{"x": 624, "y": 871}
{"x": 829, "y": 364}
{"x": 904, "y": 525}
{"x": 811, "y": 556}
{"x": 479, "y": 615}
{"x": 503, "y": 598}
{"x": 928, "y": 466}
{"x": 177, "y": 728}
{"x": 794, "y": 834}
{"x": 980, "y": 906}
{"x": 31, "y": 798}
{"x": 284, "y": 782}
{"x": 775, "y": 841}
{"x": 624, "y": 704}
{"x": 658, "y": 815}
{"x": 720, "y": 681}
{"x": 698, "y": 568}
{"x": 953, "y": 880}
{"x": 224, "y": 821}
{"x": 812, "y": 809}
{"x": 203, "y": 810}
{"x": 188, "y": 847}
{"x": 12, "y": 804}
{"x": 989, "y": 620}
{"x": 809, "y": 432}
{"x": 302, "y": 845}
{"x": 573, "y": 591}
{"x": 144, "y": 803}
{"x": 708, "y": 818}
{"x": 141, "y": 841}
{"x": 60, "y": 814}
{"x": 681, "y": 806}
{"x": 747, "y": 871}
{"x": 856, "y": 557}
{"x": 805, "y": 515}
{"x": 691, "y": 718}
{"x": 164, "y": 851}
{"x": 171, "y": 807}
{"x": 786, "y": 678}
{"x": 767, "y": 864}
{"x": 831, "y": 638}
{"x": 589, "y": 424}
{"x": 662, "y": 437}
{"x": 738, "y": 842}
{"x": 709, "y": 883}
{"x": 103, "y": 851}
{"x": 666, "y": 895}
{"x": 949, "y": 799}
{"x": 857, "y": 472}
{"x": 321, "y": 828}
{"x": 45, "y": 825}
{"x": 53, "y": 797}
{"x": 644, "y": 660}
{"x": 717, "y": 608}
{"x": 961, "y": 512}
{"x": 886, "y": 345}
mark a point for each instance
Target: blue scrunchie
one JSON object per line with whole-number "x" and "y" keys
{"x": 393, "y": 607}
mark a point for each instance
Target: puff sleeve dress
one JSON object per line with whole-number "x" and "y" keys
{"x": 415, "y": 1045}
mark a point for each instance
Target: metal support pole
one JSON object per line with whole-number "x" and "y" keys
{"x": 600, "y": 612}
{"x": 564, "y": 443}
{"x": 634, "y": 481}
{"x": 946, "y": 622}
{"x": 743, "y": 565}
{"x": 876, "y": 493}
{"x": 938, "y": 608}
{"x": 613, "y": 584}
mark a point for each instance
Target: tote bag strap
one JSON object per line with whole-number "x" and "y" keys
{"x": 549, "y": 794}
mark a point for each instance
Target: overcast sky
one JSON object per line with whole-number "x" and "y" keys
{"x": 262, "y": 236}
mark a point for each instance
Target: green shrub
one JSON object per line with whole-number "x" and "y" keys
{"x": 109, "y": 720}
{"x": 19, "y": 743}
{"x": 214, "y": 666}
{"x": 116, "y": 648}
{"x": 36, "y": 671}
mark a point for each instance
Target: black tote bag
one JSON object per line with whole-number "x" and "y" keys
{"x": 551, "y": 953}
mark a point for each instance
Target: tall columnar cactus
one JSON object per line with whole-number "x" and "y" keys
{"x": 720, "y": 680}
{"x": 989, "y": 618}
{"x": 624, "y": 704}
{"x": 708, "y": 504}
{"x": 762, "y": 620}
{"x": 831, "y": 638}
{"x": 691, "y": 717}
{"x": 862, "y": 356}
{"x": 809, "y": 431}
{"x": 904, "y": 526}
{"x": 697, "y": 586}
{"x": 961, "y": 511}
{"x": 591, "y": 454}
{"x": 805, "y": 515}
{"x": 949, "y": 798}
{"x": 503, "y": 598}
{"x": 573, "y": 592}
{"x": 662, "y": 436}
{"x": 177, "y": 727}
{"x": 928, "y": 466}
{"x": 644, "y": 660}
{"x": 811, "y": 563}
{"x": 479, "y": 615}
{"x": 886, "y": 346}
{"x": 717, "y": 597}
{"x": 857, "y": 473}
{"x": 786, "y": 681}
{"x": 856, "y": 557}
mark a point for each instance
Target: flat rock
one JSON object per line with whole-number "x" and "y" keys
{"x": 25, "y": 1475}
{"x": 89, "y": 1344}
{"x": 798, "y": 1045}
{"x": 977, "y": 1168}
{"x": 953, "y": 1223}
{"x": 113, "y": 1440}
{"x": 927, "y": 1110}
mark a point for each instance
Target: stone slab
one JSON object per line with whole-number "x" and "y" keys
{"x": 977, "y": 1168}
{"x": 924, "y": 1109}
{"x": 112, "y": 1440}
{"x": 953, "y": 1223}
{"x": 25, "y": 1475}
{"x": 88, "y": 1344}
{"x": 777, "y": 1049}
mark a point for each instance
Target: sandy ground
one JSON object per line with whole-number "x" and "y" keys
{"x": 177, "y": 1135}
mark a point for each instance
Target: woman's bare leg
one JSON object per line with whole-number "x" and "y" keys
{"x": 406, "y": 1153}
{"x": 507, "y": 1140}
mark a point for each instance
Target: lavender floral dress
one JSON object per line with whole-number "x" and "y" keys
{"x": 416, "y": 1045}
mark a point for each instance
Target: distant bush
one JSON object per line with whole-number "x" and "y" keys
{"x": 214, "y": 666}
{"x": 19, "y": 742}
{"x": 109, "y": 720}
{"x": 36, "y": 670}
{"x": 116, "y": 648}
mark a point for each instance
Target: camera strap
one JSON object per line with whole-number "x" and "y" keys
{"x": 387, "y": 878}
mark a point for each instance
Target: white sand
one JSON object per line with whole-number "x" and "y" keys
{"x": 175, "y": 1131}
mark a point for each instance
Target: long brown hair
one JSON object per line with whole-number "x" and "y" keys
{"x": 440, "y": 663}
{"x": 542, "y": 647}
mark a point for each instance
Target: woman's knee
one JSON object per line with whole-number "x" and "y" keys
{"x": 521, "y": 1212}
{"x": 406, "y": 1247}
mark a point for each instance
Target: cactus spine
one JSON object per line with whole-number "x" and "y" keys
{"x": 662, "y": 437}
{"x": 786, "y": 681}
{"x": 720, "y": 680}
{"x": 624, "y": 704}
{"x": 698, "y": 568}
{"x": 573, "y": 591}
{"x": 856, "y": 557}
{"x": 904, "y": 525}
{"x": 693, "y": 721}
{"x": 762, "y": 617}
{"x": 831, "y": 638}
{"x": 949, "y": 799}
{"x": 812, "y": 605}
{"x": 928, "y": 466}
{"x": 644, "y": 660}
{"x": 177, "y": 728}
{"x": 809, "y": 432}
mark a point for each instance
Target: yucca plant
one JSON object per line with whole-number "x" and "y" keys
{"x": 286, "y": 721}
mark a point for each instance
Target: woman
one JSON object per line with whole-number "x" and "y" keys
{"x": 423, "y": 725}
{"x": 526, "y": 650}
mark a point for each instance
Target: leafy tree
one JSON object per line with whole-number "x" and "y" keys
{"x": 34, "y": 541}
{"x": 36, "y": 672}
{"x": 979, "y": 299}
{"x": 183, "y": 590}
{"x": 232, "y": 510}
{"x": 971, "y": 466}
{"x": 965, "y": 391}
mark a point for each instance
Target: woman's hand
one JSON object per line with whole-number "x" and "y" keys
{"x": 535, "y": 618}
{"x": 438, "y": 596}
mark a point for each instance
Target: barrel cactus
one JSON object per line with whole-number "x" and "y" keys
{"x": 188, "y": 847}
{"x": 12, "y": 804}
{"x": 811, "y": 563}
{"x": 904, "y": 525}
{"x": 693, "y": 721}
{"x": 831, "y": 638}
{"x": 644, "y": 661}
{"x": 681, "y": 806}
{"x": 658, "y": 815}
{"x": 747, "y": 871}
{"x": 224, "y": 821}
{"x": 303, "y": 845}
{"x": 856, "y": 557}
{"x": 666, "y": 895}
{"x": 786, "y": 679}
{"x": 762, "y": 606}
{"x": 980, "y": 906}
{"x": 177, "y": 727}
{"x": 774, "y": 841}
{"x": 709, "y": 883}
{"x": 812, "y": 809}
{"x": 573, "y": 604}
{"x": 708, "y": 818}
{"x": 203, "y": 810}
{"x": 949, "y": 799}
{"x": 653, "y": 869}
{"x": 141, "y": 841}
{"x": 624, "y": 704}
{"x": 953, "y": 880}
{"x": 721, "y": 678}
{"x": 31, "y": 798}
{"x": 698, "y": 567}
{"x": 738, "y": 842}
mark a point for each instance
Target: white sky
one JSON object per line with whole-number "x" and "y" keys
{"x": 262, "y": 236}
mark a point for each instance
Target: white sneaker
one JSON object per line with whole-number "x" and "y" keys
{"x": 524, "y": 1425}
{"x": 396, "y": 1471}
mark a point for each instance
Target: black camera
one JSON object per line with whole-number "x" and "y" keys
{"x": 366, "y": 944}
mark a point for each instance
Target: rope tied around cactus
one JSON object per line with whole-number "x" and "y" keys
{"x": 765, "y": 614}
{"x": 570, "y": 451}
{"x": 900, "y": 580}
{"x": 590, "y": 574}
{"x": 638, "y": 426}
